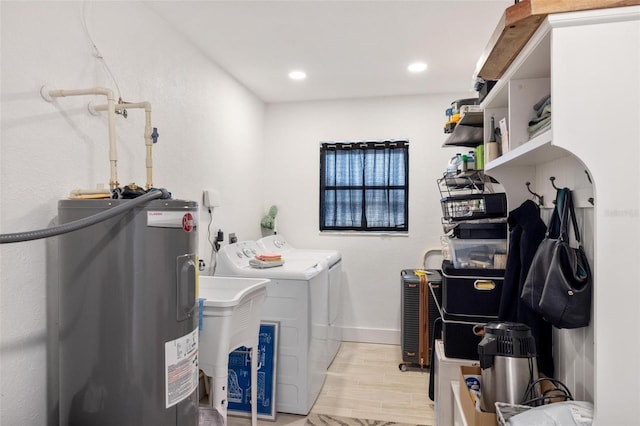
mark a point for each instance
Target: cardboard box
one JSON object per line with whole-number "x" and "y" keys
{"x": 473, "y": 416}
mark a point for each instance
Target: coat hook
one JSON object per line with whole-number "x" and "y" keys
{"x": 539, "y": 197}
{"x": 590, "y": 199}
{"x": 553, "y": 183}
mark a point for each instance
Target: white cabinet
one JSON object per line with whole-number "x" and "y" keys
{"x": 445, "y": 370}
{"x": 590, "y": 64}
{"x": 458, "y": 414}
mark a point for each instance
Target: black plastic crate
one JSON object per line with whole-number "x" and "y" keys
{"x": 461, "y": 336}
{"x": 471, "y": 292}
{"x": 474, "y": 206}
{"x": 480, "y": 230}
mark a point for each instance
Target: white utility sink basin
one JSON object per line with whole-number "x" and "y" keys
{"x": 231, "y": 313}
{"x": 224, "y": 292}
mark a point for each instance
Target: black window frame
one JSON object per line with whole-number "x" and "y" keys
{"x": 364, "y": 145}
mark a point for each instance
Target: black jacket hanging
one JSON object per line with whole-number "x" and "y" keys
{"x": 526, "y": 231}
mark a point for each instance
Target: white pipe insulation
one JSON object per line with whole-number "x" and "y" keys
{"x": 111, "y": 116}
{"x": 148, "y": 132}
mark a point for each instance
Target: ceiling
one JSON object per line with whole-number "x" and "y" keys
{"x": 348, "y": 48}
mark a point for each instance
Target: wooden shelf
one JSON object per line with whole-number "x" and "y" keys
{"x": 518, "y": 24}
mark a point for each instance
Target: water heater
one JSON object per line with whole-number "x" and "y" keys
{"x": 128, "y": 327}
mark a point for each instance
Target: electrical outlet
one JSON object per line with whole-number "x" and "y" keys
{"x": 206, "y": 198}
{"x": 210, "y": 198}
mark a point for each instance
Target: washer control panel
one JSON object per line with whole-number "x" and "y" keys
{"x": 274, "y": 244}
{"x": 241, "y": 252}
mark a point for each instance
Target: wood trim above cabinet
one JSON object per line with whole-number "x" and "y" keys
{"x": 520, "y": 21}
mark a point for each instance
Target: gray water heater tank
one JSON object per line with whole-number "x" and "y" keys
{"x": 128, "y": 330}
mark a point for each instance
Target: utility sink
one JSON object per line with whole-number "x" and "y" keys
{"x": 225, "y": 292}
{"x": 231, "y": 311}
{"x": 230, "y": 317}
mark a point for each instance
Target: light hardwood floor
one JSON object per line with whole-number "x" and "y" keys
{"x": 364, "y": 381}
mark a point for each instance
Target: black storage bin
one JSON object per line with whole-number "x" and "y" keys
{"x": 488, "y": 230}
{"x": 485, "y": 89}
{"x": 471, "y": 292}
{"x": 474, "y": 206}
{"x": 461, "y": 336}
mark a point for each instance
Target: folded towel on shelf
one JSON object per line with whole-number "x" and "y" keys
{"x": 539, "y": 106}
{"x": 545, "y": 113}
{"x": 542, "y": 120}
{"x": 540, "y": 128}
{"x": 534, "y": 128}
{"x": 262, "y": 264}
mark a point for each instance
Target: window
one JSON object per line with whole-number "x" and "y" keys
{"x": 364, "y": 186}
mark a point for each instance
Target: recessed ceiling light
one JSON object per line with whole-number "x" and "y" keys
{"x": 417, "y": 67}
{"x": 297, "y": 75}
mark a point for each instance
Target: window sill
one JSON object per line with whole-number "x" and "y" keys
{"x": 364, "y": 234}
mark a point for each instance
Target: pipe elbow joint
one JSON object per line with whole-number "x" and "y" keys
{"x": 106, "y": 92}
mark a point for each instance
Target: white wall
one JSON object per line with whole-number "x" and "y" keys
{"x": 211, "y": 132}
{"x": 371, "y": 263}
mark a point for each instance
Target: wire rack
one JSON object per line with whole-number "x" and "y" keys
{"x": 471, "y": 182}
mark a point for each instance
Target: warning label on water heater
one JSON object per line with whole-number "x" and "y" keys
{"x": 172, "y": 219}
{"x": 181, "y": 367}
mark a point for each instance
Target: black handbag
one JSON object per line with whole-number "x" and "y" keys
{"x": 566, "y": 297}
{"x": 541, "y": 262}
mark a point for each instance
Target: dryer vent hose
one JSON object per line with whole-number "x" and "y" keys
{"x": 53, "y": 231}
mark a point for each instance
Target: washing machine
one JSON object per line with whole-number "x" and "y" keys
{"x": 296, "y": 299}
{"x": 332, "y": 259}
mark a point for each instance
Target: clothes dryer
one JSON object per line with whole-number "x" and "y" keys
{"x": 333, "y": 261}
{"x": 296, "y": 298}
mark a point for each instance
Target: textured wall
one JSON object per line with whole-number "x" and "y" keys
{"x": 210, "y": 137}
